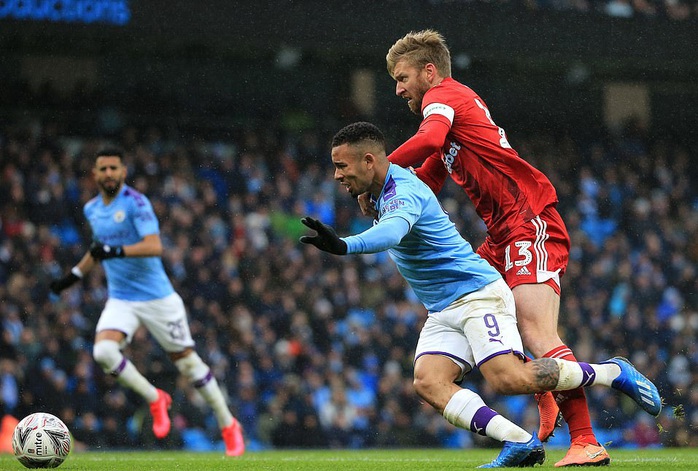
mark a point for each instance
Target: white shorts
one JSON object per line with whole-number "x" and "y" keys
{"x": 473, "y": 329}
{"x": 165, "y": 319}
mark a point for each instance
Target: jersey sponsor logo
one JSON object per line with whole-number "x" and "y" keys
{"x": 450, "y": 156}
{"x": 392, "y": 206}
{"x": 119, "y": 216}
{"x": 440, "y": 109}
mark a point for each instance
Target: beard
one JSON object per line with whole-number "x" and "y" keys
{"x": 415, "y": 103}
{"x": 415, "y": 106}
{"x": 111, "y": 188}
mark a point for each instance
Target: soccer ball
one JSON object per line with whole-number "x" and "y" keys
{"x": 41, "y": 440}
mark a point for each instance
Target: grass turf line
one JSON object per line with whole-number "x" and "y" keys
{"x": 676, "y": 459}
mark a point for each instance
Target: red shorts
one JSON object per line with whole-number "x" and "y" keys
{"x": 535, "y": 252}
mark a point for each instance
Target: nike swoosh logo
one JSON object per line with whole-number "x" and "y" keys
{"x": 594, "y": 455}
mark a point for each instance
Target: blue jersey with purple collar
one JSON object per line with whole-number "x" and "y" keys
{"x": 125, "y": 221}
{"x": 428, "y": 250}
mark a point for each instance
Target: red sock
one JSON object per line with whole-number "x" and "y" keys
{"x": 573, "y": 404}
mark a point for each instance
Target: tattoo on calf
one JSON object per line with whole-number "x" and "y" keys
{"x": 546, "y": 373}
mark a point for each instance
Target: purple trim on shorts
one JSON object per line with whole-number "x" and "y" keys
{"x": 203, "y": 381}
{"x": 588, "y": 374}
{"x": 481, "y": 419}
{"x": 446, "y": 355}
{"x": 185, "y": 347}
{"x": 503, "y": 352}
{"x": 119, "y": 368}
{"x": 112, "y": 328}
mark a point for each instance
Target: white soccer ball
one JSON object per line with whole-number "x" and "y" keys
{"x": 41, "y": 440}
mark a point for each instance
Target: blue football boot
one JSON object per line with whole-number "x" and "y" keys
{"x": 635, "y": 385}
{"x": 521, "y": 455}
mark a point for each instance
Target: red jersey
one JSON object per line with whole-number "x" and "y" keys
{"x": 458, "y": 137}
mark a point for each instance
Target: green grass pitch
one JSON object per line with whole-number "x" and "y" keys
{"x": 675, "y": 459}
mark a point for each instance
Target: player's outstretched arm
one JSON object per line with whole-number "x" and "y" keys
{"x": 426, "y": 142}
{"x": 326, "y": 239}
{"x": 74, "y": 275}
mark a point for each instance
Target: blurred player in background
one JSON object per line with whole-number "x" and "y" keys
{"x": 527, "y": 241}
{"x": 472, "y": 314}
{"x": 127, "y": 243}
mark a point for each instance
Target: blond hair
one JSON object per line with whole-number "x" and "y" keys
{"x": 419, "y": 49}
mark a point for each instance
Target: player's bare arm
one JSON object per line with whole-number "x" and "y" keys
{"x": 149, "y": 246}
{"x": 86, "y": 263}
{"x": 74, "y": 275}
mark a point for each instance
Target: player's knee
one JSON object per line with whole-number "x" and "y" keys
{"x": 425, "y": 386}
{"x": 420, "y": 386}
{"x": 193, "y": 367}
{"x": 107, "y": 354}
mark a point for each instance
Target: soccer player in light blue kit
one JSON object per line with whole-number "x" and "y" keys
{"x": 127, "y": 243}
{"x": 472, "y": 317}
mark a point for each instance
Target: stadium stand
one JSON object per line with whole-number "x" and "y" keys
{"x": 303, "y": 341}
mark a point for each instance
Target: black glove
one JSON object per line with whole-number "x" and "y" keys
{"x": 326, "y": 238}
{"x": 67, "y": 281}
{"x": 100, "y": 251}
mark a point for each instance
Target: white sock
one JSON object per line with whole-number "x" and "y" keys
{"x": 605, "y": 374}
{"x": 193, "y": 368}
{"x": 502, "y": 429}
{"x": 574, "y": 374}
{"x": 468, "y": 411}
{"x": 214, "y": 397}
{"x": 108, "y": 354}
{"x": 133, "y": 379}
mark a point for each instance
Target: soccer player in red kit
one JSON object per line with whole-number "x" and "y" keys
{"x": 527, "y": 241}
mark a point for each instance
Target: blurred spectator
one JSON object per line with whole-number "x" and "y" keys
{"x": 314, "y": 350}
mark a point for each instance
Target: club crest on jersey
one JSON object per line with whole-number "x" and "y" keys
{"x": 450, "y": 156}
{"x": 119, "y": 216}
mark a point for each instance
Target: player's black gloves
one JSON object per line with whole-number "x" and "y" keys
{"x": 56, "y": 286}
{"x": 100, "y": 251}
{"x": 326, "y": 238}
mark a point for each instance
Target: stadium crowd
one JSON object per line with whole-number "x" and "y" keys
{"x": 674, "y": 10}
{"x": 315, "y": 350}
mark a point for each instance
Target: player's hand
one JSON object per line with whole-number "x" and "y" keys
{"x": 100, "y": 251}
{"x": 368, "y": 207}
{"x": 326, "y": 238}
{"x": 56, "y": 286}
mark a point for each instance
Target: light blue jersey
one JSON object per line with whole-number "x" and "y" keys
{"x": 428, "y": 250}
{"x": 125, "y": 221}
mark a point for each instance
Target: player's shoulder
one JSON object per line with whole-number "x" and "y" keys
{"x": 401, "y": 182}
{"x": 134, "y": 196}
{"x": 92, "y": 203}
{"x": 450, "y": 88}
